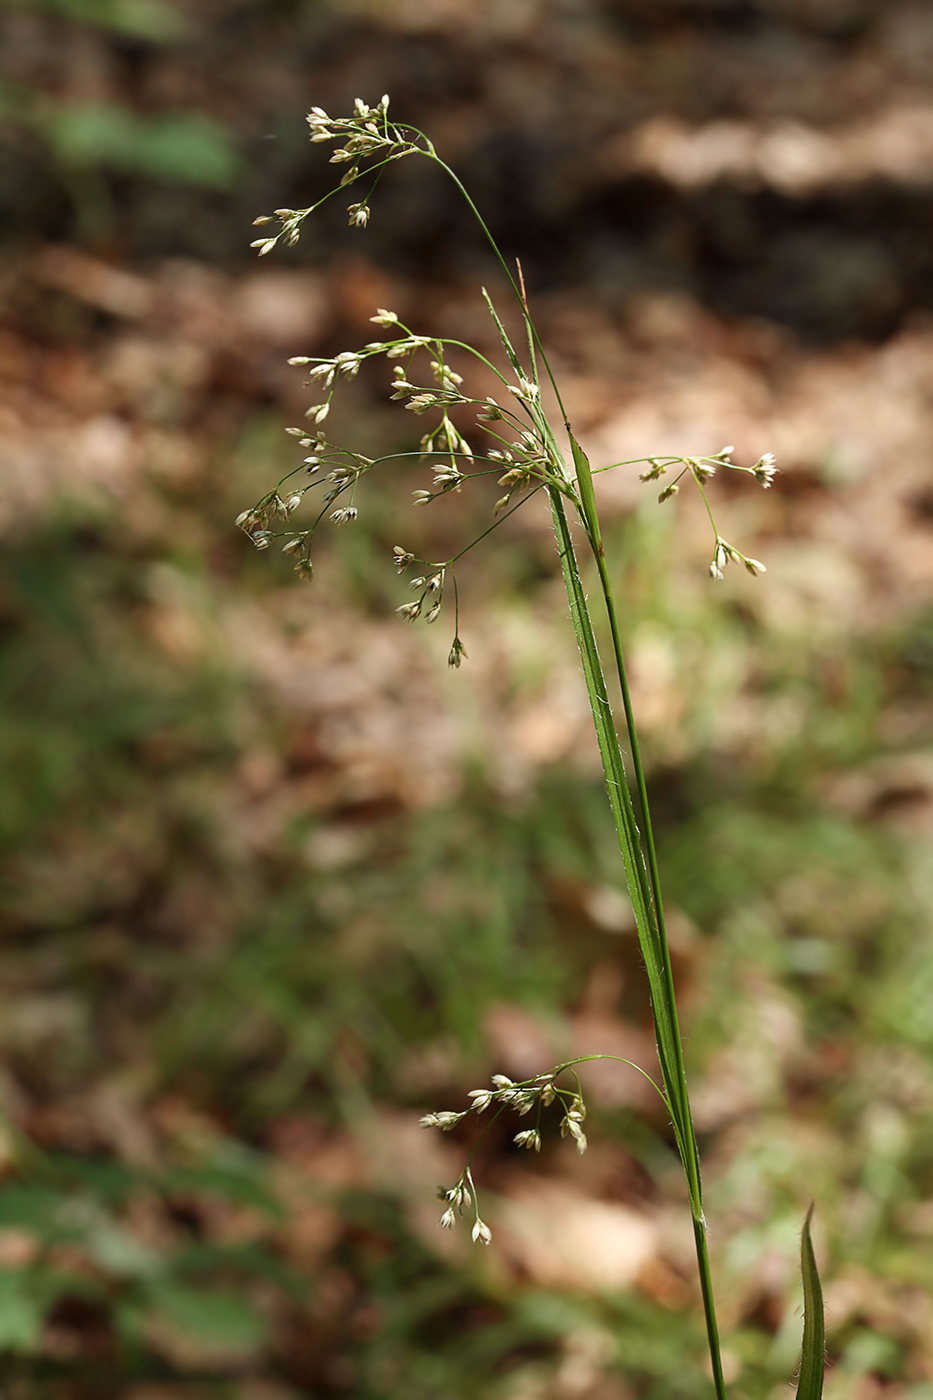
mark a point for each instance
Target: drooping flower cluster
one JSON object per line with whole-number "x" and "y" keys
{"x": 505, "y": 1094}
{"x": 345, "y": 470}
{"x": 369, "y": 141}
{"x": 526, "y": 456}
{"x": 727, "y": 554}
{"x": 702, "y": 470}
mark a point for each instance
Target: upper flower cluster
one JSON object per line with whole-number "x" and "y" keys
{"x": 365, "y": 134}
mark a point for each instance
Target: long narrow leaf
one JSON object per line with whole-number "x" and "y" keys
{"x": 813, "y": 1353}
{"x": 650, "y": 933}
{"x": 620, "y": 800}
{"x": 587, "y": 494}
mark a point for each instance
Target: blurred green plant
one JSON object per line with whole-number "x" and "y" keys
{"x": 102, "y": 731}
{"x": 182, "y": 147}
{"x": 88, "y": 143}
{"x": 155, "y": 20}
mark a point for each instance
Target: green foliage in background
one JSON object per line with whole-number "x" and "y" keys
{"x": 86, "y": 144}
{"x": 154, "y": 20}
{"x": 188, "y": 148}
{"x": 116, "y": 780}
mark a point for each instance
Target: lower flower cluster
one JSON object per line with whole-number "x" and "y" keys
{"x": 505, "y": 1094}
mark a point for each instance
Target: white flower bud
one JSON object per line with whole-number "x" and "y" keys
{"x": 481, "y": 1232}
{"x": 524, "y": 389}
{"x": 764, "y": 470}
{"x": 571, "y": 1126}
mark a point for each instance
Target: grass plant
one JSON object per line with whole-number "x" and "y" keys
{"x": 530, "y": 448}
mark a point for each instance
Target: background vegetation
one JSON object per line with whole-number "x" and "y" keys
{"x": 274, "y": 882}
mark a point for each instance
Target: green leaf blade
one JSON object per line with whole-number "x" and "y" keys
{"x": 813, "y": 1351}
{"x": 587, "y": 494}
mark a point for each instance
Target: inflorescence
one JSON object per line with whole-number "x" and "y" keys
{"x": 521, "y": 1098}
{"x": 525, "y": 456}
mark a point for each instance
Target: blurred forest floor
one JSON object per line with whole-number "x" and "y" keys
{"x": 274, "y": 881}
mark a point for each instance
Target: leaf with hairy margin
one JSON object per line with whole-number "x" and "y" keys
{"x": 813, "y": 1351}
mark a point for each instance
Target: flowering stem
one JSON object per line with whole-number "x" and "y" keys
{"x": 644, "y": 888}
{"x": 540, "y": 462}
{"x": 533, "y": 336}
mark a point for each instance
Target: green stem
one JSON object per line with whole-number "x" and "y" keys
{"x": 532, "y": 329}
{"x": 644, "y": 888}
